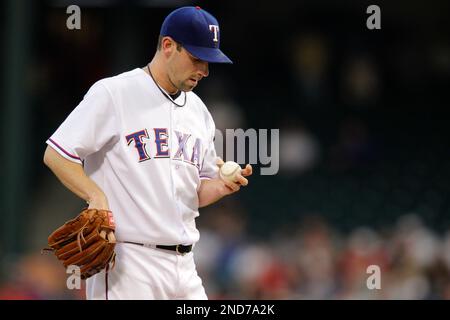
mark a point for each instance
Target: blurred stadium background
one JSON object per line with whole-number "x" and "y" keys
{"x": 364, "y": 142}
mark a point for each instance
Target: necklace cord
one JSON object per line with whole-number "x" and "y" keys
{"x": 164, "y": 93}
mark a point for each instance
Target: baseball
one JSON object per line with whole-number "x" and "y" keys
{"x": 229, "y": 171}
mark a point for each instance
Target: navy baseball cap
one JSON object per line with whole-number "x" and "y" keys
{"x": 197, "y": 31}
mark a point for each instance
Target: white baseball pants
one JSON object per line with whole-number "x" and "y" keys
{"x": 142, "y": 273}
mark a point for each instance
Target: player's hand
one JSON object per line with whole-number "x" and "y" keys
{"x": 101, "y": 203}
{"x": 241, "y": 181}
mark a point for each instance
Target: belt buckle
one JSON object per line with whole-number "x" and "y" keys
{"x": 178, "y": 251}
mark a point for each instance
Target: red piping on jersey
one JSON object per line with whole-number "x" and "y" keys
{"x": 63, "y": 150}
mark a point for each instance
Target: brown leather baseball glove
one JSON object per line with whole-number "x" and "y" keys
{"x": 87, "y": 241}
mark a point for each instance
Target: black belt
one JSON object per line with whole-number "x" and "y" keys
{"x": 178, "y": 248}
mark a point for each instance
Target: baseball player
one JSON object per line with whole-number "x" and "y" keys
{"x": 140, "y": 144}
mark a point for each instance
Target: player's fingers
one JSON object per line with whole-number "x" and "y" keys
{"x": 219, "y": 162}
{"x": 242, "y": 181}
{"x": 233, "y": 186}
{"x": 247, "y": 171}
{"x": 111, "y": 237}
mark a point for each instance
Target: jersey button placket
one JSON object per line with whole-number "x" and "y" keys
{"x": 175, "y": 123}
{"x": 174, "y": 163}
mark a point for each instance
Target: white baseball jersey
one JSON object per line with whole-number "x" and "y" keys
{"x": 147, "y": 154}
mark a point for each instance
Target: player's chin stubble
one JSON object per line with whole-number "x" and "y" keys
{"x": 182, "y": 85}
{"x": 185, "y": 86}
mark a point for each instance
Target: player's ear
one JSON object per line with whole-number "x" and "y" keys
{"x": 168, "y": 46}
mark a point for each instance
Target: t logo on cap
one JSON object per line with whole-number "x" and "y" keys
{"x": 214, "y": 29}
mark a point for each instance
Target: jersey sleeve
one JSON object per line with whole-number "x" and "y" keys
{"x": 209, "y": 169}
{"x": 89, "y": 127}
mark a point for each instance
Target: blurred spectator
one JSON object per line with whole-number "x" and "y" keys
{"x": 360, "y": 83}
{"x": 310, "y": 71}
{"x": 299, "y": 149}
{"x": 354, "y": 146}
{"x": 364, "y": 248}
{"x": 35, "y": 276}
{"x": 315, "y": 258}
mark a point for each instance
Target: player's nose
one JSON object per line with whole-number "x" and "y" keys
{"x": 204, "y": 69}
